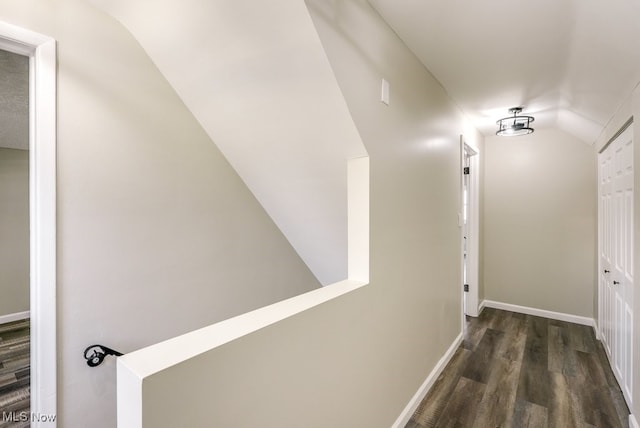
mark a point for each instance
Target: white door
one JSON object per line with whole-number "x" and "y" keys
{"x": 469, "y": 222}
{"x": 616, "y": 256}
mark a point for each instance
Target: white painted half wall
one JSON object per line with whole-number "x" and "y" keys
{"x": 192, "y": 355}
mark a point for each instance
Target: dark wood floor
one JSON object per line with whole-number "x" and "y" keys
{"x": 516, "y": 370}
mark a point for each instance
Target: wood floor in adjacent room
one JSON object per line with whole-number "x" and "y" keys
{"x": 14, "y": 373}
{"x": 516, "y": 370}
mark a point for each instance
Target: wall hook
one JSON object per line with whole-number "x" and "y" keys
{"x": 95, "y": 354}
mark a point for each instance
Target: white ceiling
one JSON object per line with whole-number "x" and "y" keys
{"x": 570, "y": 63}
{"x": 14, "y": 101}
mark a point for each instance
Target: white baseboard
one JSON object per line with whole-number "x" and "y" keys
{"x": 540, "y": 313}
{"x": 14, "y": 317}
{"x": 633, "y": 422}
{"x": 596, "y": 329}
{"x": 417, "y": 398}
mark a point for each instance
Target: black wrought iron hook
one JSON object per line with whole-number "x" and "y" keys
{"x": 95, "y": 354}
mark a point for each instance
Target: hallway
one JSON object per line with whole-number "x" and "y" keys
{"x": 516, "y": 370}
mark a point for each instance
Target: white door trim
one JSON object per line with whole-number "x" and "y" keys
{"x": 41, "y": 51}
{"x": 473, "y": 242}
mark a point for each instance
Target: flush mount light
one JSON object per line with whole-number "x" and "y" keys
{"x": 515, "y": 125}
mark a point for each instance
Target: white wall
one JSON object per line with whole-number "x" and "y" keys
{"x": 629, "y": 109}
{"x": 14, "y": 231}
{"x": 540, "y": 222}
{"x": 356, "y": 360}
{"x": 157, "y": 235}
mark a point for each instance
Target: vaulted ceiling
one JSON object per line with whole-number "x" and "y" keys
{"x": 257, "y": 78}
{"x": 570, "y": 63}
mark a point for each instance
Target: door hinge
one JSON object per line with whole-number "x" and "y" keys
{"x": 466, "y": 170}
{"x": 466, "y": 287}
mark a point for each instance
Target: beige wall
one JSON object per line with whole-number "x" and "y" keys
{"x": 157, "y": 235}
{"x": 14, "y": 231}
{"x": 540, "y": 222}
{"x": 355, "y": 361}
{"x": 413, "y": 304}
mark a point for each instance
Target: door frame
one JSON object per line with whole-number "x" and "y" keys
{"x": 470, "y": 298}
{"x": 41, "y": 51}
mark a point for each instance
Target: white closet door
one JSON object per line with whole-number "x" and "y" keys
{"x": 616, "y": 256}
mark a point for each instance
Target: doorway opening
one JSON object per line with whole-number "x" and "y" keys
{"x": 14, "y": 230}
{"x": 41, "y": 52}
{"x": 469, "y": 222}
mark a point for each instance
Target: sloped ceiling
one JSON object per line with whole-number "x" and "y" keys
{"x": 569, "y": 63}
{"x": 256, "y": 77}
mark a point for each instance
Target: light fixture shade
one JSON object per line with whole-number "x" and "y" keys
{"x": 515, "y": 125}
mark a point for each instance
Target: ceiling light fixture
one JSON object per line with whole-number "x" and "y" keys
{"x": 515, "y": 125}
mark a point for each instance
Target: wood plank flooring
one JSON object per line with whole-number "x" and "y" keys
{"x": 15, "y": 397}
{"x": 516, "y": 370}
